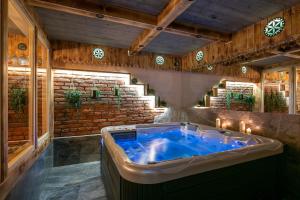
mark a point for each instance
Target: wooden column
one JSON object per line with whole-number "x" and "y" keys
{"x": 3, "y": 90}
{"x": 34, "y": 102}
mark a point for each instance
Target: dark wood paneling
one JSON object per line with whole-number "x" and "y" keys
{"x": 250, "y": 43}
{"x": 258, "y": 179}
{"x": 230, "y": 16}
{"x": 145, "y": 6}
{"x": 167, "y": 43}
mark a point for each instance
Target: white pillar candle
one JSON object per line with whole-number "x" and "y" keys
{"x": 248, "y": 131}
{"x": 242, "y": 127}
{"x": 218, "y": 123}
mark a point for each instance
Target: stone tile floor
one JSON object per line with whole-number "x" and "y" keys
{"x": 73, "y": 182}
{"x": 69, "y": 169}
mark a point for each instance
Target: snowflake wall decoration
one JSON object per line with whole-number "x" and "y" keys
{"x": 98, "y": 53}
{"x": 274, "y": 27}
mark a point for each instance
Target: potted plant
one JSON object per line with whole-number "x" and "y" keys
{"x": 162, "y": 103}
{"x": 201, "y": 102}
{"x": 134, "y": 80}
{"x": 207, "y": 98}
{"x": 95, "y": 94}
{"x": 73, "y": 97}
{"x": 150, "y": 91}
{"x": 18, "y": 98}
{"x": 222, "y": 85}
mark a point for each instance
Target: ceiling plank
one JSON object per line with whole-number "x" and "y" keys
{"x": 126, "y": 17}
{"x": 164, "y": 19}
{"x": 108, "y": 13}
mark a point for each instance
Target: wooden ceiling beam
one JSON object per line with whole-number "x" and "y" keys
{"x": 126, "y": 17}
{"x": 286, "y": 54}
{"x": 164, "y": 19}
{"x": 107, "y": 13}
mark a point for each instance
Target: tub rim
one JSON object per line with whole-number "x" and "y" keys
{"x": 179, "y": 168}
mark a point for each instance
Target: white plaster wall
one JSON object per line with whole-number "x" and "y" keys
{"x": 178, "y": 89}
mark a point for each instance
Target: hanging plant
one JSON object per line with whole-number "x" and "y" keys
{"x": 18, "y": 98}
{"x": 73, "y": 97}
{"x": 228, "y": 100}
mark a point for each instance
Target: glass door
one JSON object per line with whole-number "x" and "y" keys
{"x": 20, "y": 82}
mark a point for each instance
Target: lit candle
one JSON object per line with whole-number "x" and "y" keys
{"x": 224, "y": 125}
{"x": 242, "y": 127}
{"x": 218, "y": 123}
{"x": 248, "y": 131}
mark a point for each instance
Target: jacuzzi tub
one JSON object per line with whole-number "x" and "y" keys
{"x": 144, "y": 158}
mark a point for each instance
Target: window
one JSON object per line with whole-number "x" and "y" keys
{"x": 276, "y": 91}
{"x": 42, "y": 87}
{"x": 19, "y": 74}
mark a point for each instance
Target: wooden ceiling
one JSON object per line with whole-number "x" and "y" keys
{"x": 173, "y": 27}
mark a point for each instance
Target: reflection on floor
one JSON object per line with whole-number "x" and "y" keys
{"x": 74, "y": 182}
{"x": 68, "y": 169}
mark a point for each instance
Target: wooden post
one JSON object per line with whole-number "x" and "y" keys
{"x": 34, "y": 102}
{"x": 293, "y": 91}
{"x": 3, "y": 90}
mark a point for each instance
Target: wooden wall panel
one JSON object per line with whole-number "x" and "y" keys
{"x": 70, "y": 54}
{"x": 250, "y": 43}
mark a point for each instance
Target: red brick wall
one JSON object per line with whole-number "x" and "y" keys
{"x": 96, "y": 114}
{"x": 235, "y": 87}
{"x": 17, "y": 122}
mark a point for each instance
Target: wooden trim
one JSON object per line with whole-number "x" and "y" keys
{"x": 43, "y": 139}
{"x": 293, "y": 90}
{"x": 3, "y": 90}
{"x": 51, "y": 96}
{"x": 34, "y": 109}
{"x": 164, "y": 19}
{"x": 126, "y": 17}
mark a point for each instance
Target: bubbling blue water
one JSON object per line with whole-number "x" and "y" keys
{"x": 158, "y": 146}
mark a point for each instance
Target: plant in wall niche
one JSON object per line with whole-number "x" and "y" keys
{"x": 96, "y": 93}
{"x": 222, "y": 85}
{"x": 73, "y": 97}
{"x": 117, "y": 93}
{"x": 201, "y": 102}
{"x": 162, "y": 103}
{"x": 209, "y": 93}
{"x": 150, "y": 91}
{"x": 134, "y": 81}
{"x": 18, "y": 98}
